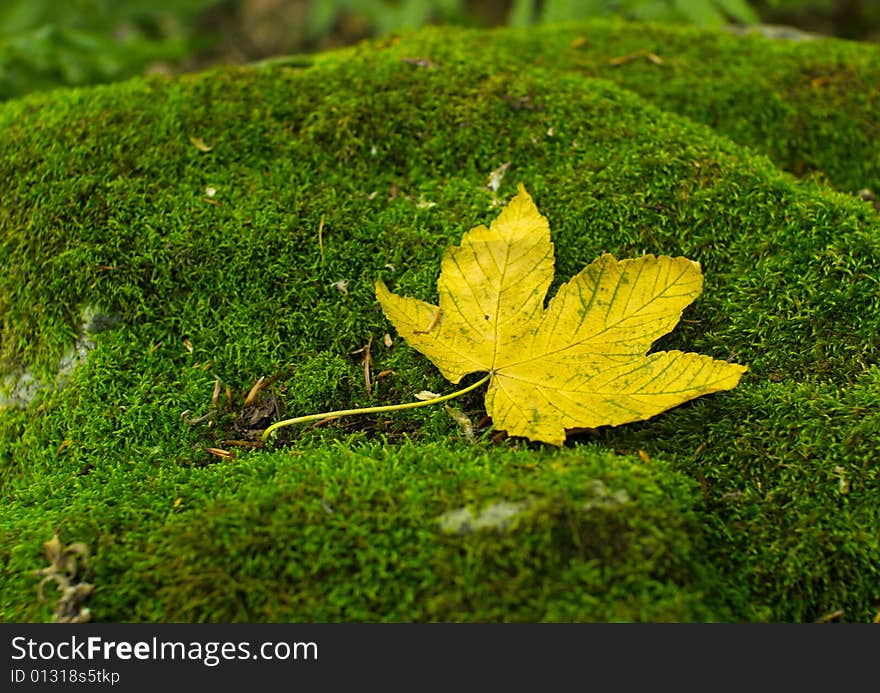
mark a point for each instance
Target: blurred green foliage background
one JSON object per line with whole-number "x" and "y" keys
{"x": 51, "y": 43}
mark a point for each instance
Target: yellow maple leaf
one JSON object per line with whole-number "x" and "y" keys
{"x": 578, "y": 363}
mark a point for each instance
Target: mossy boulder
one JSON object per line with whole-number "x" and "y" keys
{"x": 166, "y": 243}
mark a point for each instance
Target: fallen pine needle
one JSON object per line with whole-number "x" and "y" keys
{"x": 368, "y": 360}
{"x": 223, "y": 454}
{"x": 255, "y": 390}
{"x": 629, "y": 57}
{"x": 215, "y": 397}
{"x": 244, "y": 443}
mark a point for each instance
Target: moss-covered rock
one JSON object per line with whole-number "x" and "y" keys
{"x": 761, "y": 503}
{"x": 812, "y": 106}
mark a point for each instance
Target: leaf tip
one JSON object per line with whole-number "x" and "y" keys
{"x": 522, "y": 194}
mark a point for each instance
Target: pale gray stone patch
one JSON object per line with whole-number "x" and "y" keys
{"x": 72, "y": 359}
{"x": 604, "y": 499}
{"x": 780, "y": 32}
{"x": 498, "y": 516}
{"x": 494, "y": 517}
{"x": 18, "y": 389}
{"x": 21, "y": 386}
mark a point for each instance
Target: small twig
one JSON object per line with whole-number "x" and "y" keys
{"x": 368, "y": 360}
{"x": 629, "y": 57}
{"x": 197, "y": 420}
{"x": 244, "y": 443}
{"x": 827, "y": 618}
{"x": 432, "y": 324}
{"x": 215, "y": 397}
{"x": 321, "y": 238}
{"x": 420, "y": 62}
{"x": 255, "y": 390}
{"x": 322, "y": 422}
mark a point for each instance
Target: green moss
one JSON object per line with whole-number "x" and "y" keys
{"x": 811, "y": 106}
{"x": 341, "y": 533}
{"x": 756, "y": 504}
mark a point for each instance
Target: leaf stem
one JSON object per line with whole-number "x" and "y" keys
{"x": 371, "y": 410}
